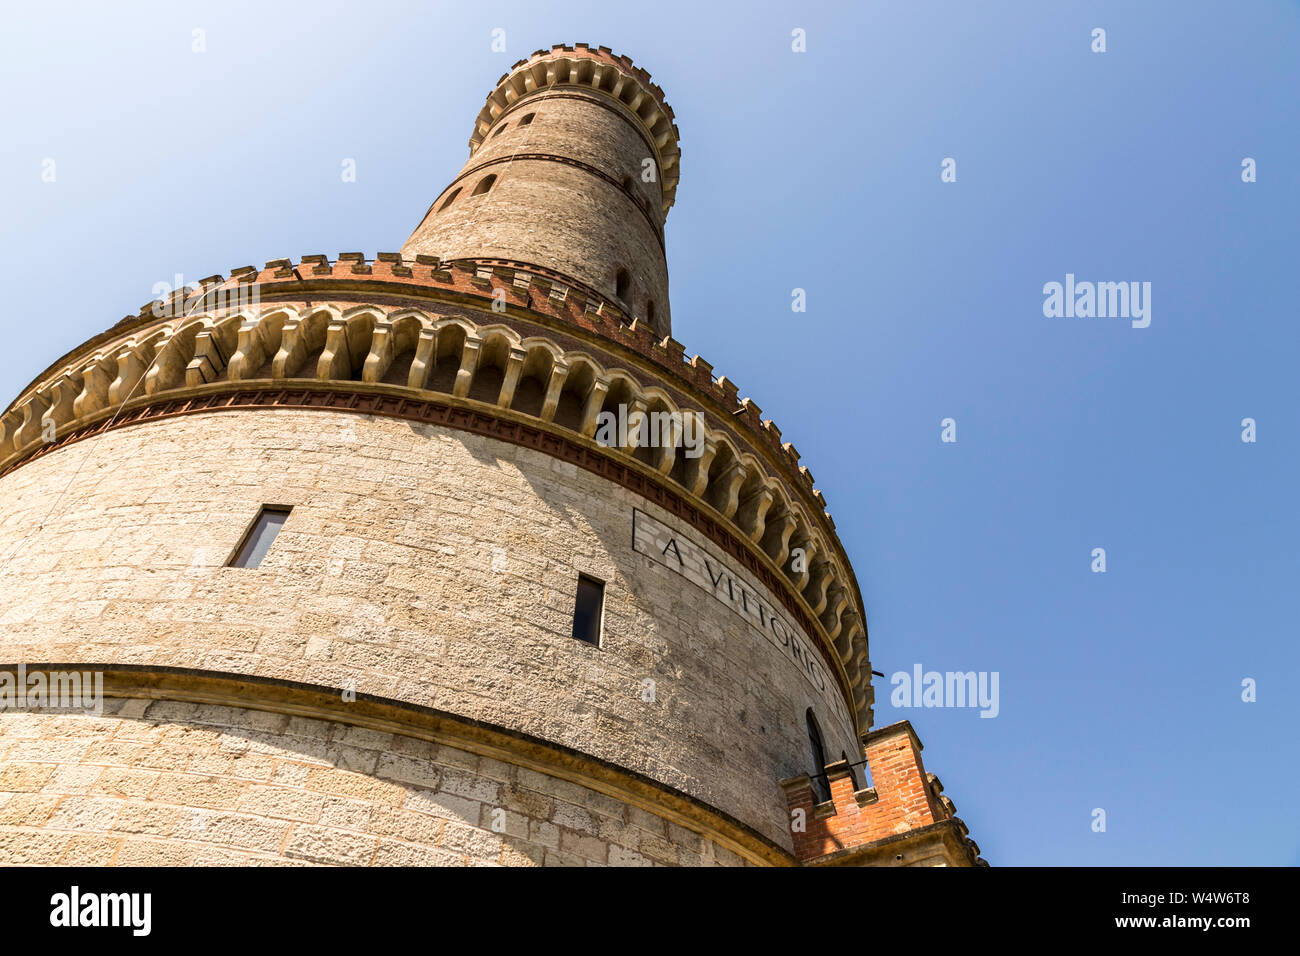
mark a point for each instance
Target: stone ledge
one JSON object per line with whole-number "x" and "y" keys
{"x": 427, "y": 723}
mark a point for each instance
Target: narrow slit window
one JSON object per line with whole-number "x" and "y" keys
{"x": 259, "y": 537}
{"x": 821, "y": 786}
{"x": 622, "y": 283}
{"x": 587, "y": 610}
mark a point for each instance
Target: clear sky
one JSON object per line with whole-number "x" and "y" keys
{"x": 821, "y": 170}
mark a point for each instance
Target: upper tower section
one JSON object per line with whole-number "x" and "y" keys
{"x": 573, "y": 167}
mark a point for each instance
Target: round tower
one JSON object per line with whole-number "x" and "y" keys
{"x": 441, "y": 556}
{"x": 572, "y": 169}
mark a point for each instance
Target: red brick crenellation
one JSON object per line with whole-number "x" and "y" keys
{"x": 900, "y": 800}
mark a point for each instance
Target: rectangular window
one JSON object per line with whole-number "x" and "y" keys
{"x": 587, "y": 609}
{"x": 259, "y": 537}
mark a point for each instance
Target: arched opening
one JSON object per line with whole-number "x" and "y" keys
{"x": 612, "y": 426}
{"x": 302, "y": 360}
{"x": 399, "y": 372}
{"x": 650, "y": 312}
{"x": 451, "y": 199}
{"x": 530, "y": 393}
{"x": 500, "y": 129}
{"x": 490, "y": 373}
{"x": 688, "y": 438}
{"x": 358, "y": 330}
{"x": 450, "y": 348}
{"x": 573, "y": 398}
{"x": 627, "y": 183}
{"x": 484, "y": 185}
{"x": 715, "y": 492}
{"x": 527, "y": 119}
{"x": 622, "y": 283}
{"x": 821, "y": 787}
{"x": 655, "y": 433}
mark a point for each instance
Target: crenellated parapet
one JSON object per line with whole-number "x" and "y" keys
{"x": 598, "y": 70}
{"x": 522, "y": 289}
{"x": 426, "y": 332}
{"x": 900, "y": 819}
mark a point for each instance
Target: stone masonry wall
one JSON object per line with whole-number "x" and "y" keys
{"x": 424, "y": 564}
{"x": 564, "y": 124}
{"x": 557, "y": 215}
{"x": 166, "y": 783}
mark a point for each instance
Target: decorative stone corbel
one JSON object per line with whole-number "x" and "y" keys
{"x": 95, "y": 381}
{"x": 752, "y": 512}
{"x": 697, "y": 469}
{"x": 336, "y": 361}
{"x": 426, "y": 358}
{"x": 728, "y": 483}
{"x": 468, "y": 364}
{"x": 510, "y": 381}
{"x": 554, "y": 389}
{"x": 131, "y": 366}
{"x": 591, "y": 410}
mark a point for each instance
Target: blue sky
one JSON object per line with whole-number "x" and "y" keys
{"x": 821, "y": 171}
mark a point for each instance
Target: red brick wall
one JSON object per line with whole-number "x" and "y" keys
{"x": 901, "y": 799}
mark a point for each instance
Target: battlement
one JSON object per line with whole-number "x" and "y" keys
{"x": 524, "y": 286}
{"x": 600, "y": 70}
{"x": 901, "y": 820}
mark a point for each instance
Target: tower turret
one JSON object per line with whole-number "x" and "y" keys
{"x": 572, "y": 169}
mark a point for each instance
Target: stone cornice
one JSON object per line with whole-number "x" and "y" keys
{"x": 531, "y": 293}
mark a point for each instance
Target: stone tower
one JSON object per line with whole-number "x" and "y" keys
{"x": 486, "y": 630}
{"x": 582, "y": 195}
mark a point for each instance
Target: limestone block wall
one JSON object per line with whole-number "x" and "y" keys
{"x": 168, "y": 783}
{"x": 568, "y": 196}
{"x": 423, "y": 564}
